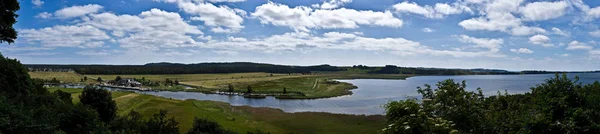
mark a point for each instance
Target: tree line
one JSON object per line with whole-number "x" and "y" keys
{"x": 200, "y": 68}
{"x": 559, "y": 105}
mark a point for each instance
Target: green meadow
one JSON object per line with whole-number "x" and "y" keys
{"x": 242, "y": 119}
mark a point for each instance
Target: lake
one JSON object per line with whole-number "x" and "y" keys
{"x": 372, "y": 94}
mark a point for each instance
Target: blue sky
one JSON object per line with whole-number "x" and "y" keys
{"x": 501, "y": 34}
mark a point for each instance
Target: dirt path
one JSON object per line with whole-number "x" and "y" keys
{"x": 126, "y": 96}
{"x": 316, "y": 82}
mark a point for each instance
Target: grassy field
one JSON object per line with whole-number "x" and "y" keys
{"x": 75, "y": 92}
{"x": 317, "y": 85}
{"x": 307, "y": 87}
{"x": 243, "y": 119}
{"x": 62, "y": 76}
{"x": 189, "y": 77}
{"x": 222, "y": 83}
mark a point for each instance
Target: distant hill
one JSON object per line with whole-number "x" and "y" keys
{"x": 243, "y": 67}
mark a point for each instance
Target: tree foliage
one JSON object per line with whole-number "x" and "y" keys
{"x": 205, "y": 126}
{"x": 559, "y": 105}
{"x": 160, "y": 124}
{"x": 8, "y": 17}
{"x": 100, "y": 100}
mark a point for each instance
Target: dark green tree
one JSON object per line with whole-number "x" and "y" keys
{"x": 118, "y": 79}
{"x": 15, "y": 80}
{"x": 284, "y": 90}
{"x": 82, "y": 119}
{"x": 131, "y": 123}
{"x": 64, "y": 96}
{"x": 230, "y": 88}
{"x": 8, "y": 17}
{"x": 85, "y": 78}
{"x": 249, "y": 89}
{"x": 101, "y": 101}
{"x": 159, "y": 124}
{"x": 99, "y": 79}
{"x": 205, "y": 126}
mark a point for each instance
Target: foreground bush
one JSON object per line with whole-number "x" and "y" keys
{"x": 559, "y": 105}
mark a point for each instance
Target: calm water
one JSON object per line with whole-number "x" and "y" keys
{"x": 371, "y": 94}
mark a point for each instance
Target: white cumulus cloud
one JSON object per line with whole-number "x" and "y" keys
{"x": 331, "y": 4}
{"x": 37, "y": 3}
{"x": 440, "y": 10}
{"x": 544, "y": 10}
{"x": 493, "y": 44}
{"x": 540, "y": 40}
{"x": 220, "y": 18}
{"x": 66, "y": 36}
{"x": 522, "y": 51}
{"x": 302, "y": 18}
{"x": 77, "y": 11}
{"x": 576, "y": 45}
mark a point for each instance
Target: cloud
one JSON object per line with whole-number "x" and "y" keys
{"x": 206, "y": 38}
{"x": 540, "y": 40}
{"x": 538, "y": 11}
{"x": 152, "y": 20}
{"x": 595, "y": 33}
{"x": 13, "y": 48}
{"x": 148, "y": 31}
{"x": 525, "y": 31}
{"x": 492, "y": 44}
{"x": 226, "y": 52}
{"x": 176, "y": 53}
{"x": 496, "y": 21}
{"x": 498, "y": 15}
{"x": 237, "y": 39}
{"x": 231, "y": 1}
{"x": 331, "y": 4}
{"x": 593, "y": 13}
{"x": 522, "y": 51}
{"x": 440, "y": 10}
{"x": 37, "y": 3}
{"x": 222, "y": 18}
{"x": 559, "y": 32}
{"x": 37, "y": 54}
{"x": 77, "y": 11}
{"x": 302, "y": 18}
{"x": 153, "y": 40}
{"x": 428, "y": 30}
{"x": 44, "y": 15}
{"x": 576, "y": 45}
{"x": 93, "y": 53}
{"x": 298, "y": 41}
{"x": 594, "y": 54}
{"x": 66, "y": 36}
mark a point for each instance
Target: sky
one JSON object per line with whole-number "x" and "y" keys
{"x": 497, "y": 34}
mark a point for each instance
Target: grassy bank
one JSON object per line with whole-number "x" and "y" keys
{"x": 243, "y": 119}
